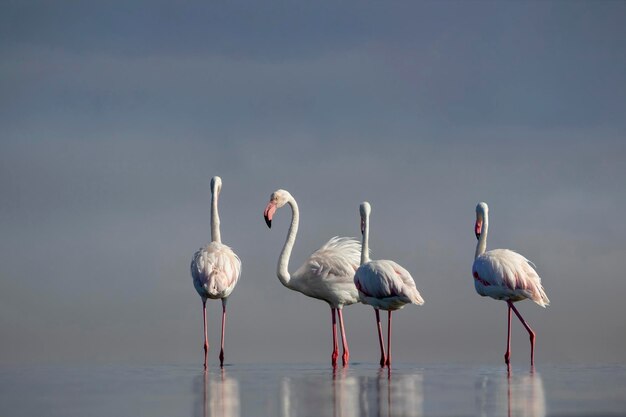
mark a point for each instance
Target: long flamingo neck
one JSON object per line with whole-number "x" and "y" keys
{"x": 481, "y": 246}
{"x": 215, "y": 219}
{"x": 365, "y": 248}
{"x": 283, "y": 260}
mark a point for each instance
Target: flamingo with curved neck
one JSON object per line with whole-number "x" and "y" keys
{"x": 505, "y": 275}
{"x": 326, "y": 275}
{"x": 215, "y": 269}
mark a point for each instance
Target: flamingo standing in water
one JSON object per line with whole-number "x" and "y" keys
{"x": 326, "y": 275}
{"x": 505, "y": 275}
{"x": 215, "y": 269}
{"x": 383, "y": 285}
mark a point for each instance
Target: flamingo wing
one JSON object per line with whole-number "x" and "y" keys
{"x": 337, "y": 259}
{"x": 215, "y": 270}
{"x": 504, "y": 274}
{"x": 328, "y": 273}
{"x": 386, "y": 279}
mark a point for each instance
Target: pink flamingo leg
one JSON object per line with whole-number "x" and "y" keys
{"x": 346, "y": 351}
{"x": 507, "y": 355}
{"x": 206, "y": 338}
{"x": 389, "y": 339}
{"x": 530, "y": 333}
{"x": 223, "y": 328}
{"x": 335, "y": 354}
{"x": 383, "y": 358}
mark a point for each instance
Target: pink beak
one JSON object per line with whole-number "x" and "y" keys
{"x": 269, "y": 213}
{"x": 478, "y": 228}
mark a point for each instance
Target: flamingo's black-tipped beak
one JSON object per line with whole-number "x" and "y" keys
{"x": 269, "y": 213}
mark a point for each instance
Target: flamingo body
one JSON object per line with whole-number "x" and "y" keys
{"x": 328, "y": 273}
{"x": 386, "y": 285}
{"x": 215, "y": 270}
{"x": 506, "y": 275}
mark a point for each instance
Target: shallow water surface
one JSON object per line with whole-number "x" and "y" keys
{"x": 313, "y": 390}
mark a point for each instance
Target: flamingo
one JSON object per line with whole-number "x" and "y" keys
{"x": 326, "y": 275}
{"x": 505, "y": 275}
{"x": 383, "y": 285}
{"x": 215, "y": 269}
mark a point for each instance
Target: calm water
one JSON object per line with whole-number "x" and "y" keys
{"x": 314, "y": 390}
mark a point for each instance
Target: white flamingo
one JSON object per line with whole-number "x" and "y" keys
{"x": 383, "y": 285}
{"x": 326, "y": 275}
{"x": 505, "y": 275}
{"x": 215, "y": 269}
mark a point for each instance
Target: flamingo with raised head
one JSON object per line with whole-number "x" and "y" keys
{"x": 505, "y": 275}
{"x": 383, "y": 284}
{"x": 215, "y": 269}
{"x": 326, "y": 275}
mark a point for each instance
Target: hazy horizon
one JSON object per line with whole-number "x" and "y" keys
{"x": 115, "y": 116}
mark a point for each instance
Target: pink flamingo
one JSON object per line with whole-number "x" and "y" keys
{"x": 215, "y": 269}
{"x": 326, "y": 275}
{"x": 505, "y": 275}
{"x": 383, "y": 285}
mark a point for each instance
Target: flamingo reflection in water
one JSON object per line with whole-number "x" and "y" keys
{"x": 510, "y": 394}
{"x": 344, "y": 394}
{"x": 335, "y": 395}
{"x": 218, "y": 395}
{"x": 389, "y": 395}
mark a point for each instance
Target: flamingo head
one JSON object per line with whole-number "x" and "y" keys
{"x": 216, "y": 185}
{"x": 364, "y": 209}
{"x": 278, "y": 199}
{"x": 481, "y": 214}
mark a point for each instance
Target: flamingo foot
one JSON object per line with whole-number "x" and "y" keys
{"x": 383, "y": 361}
{"x": 388, "y": 362}
{"x": 206, "y": 353}
{"x": 345, "y": 358}
{"x": 222, "y": 358}
{"x": 334, "y": 357}
{"x": 507, "y": 357}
